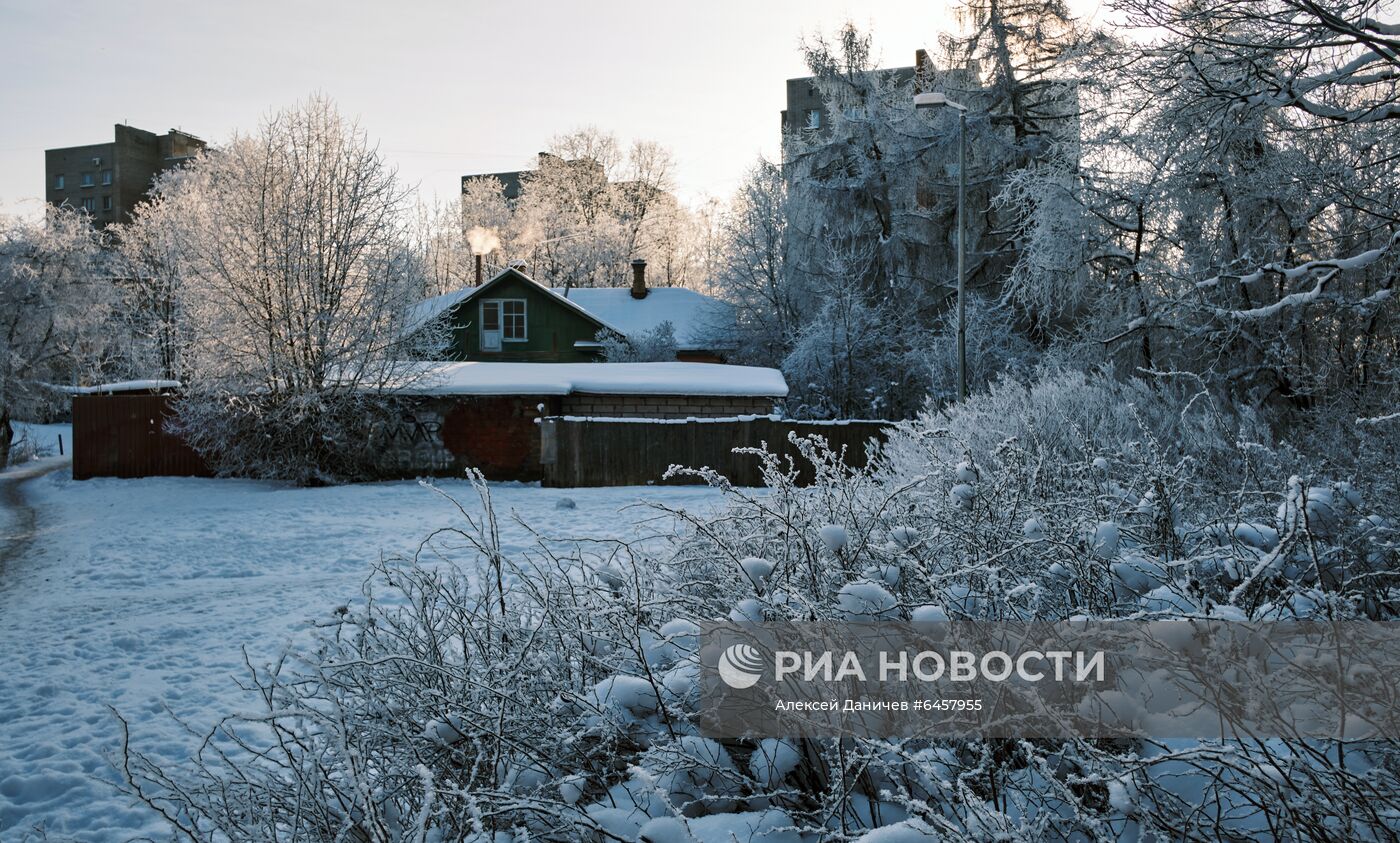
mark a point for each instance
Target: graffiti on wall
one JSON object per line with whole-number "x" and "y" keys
{"x": 496, "y": 435}
{"x": 413, "y": 443}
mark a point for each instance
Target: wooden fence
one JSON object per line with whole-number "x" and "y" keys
{"x": 630, "y": 452}
{"x": 125, "y": 436}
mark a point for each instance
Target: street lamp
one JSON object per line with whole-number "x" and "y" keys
{"x": 934, "y": 99}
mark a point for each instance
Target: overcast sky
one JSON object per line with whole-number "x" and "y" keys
{"x": 448, "y": 88}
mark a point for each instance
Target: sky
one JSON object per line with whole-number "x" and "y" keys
{"x": 447, "y": 88}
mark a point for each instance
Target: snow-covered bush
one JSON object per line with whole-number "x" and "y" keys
{"x": 485, "y": 696}
{"x": 656, "y": 345}
{"x": 310, "y": 438}
{"x": 857, "y": 360}
{"x": 994, "y": 348}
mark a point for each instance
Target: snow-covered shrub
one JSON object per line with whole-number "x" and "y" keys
{"x": 481, "y": 695}
{"x": 994, "y": 348}
{"x": 857, "y": 360}
{"x": 656, "y": 345}
{"x": 22, "y": 449}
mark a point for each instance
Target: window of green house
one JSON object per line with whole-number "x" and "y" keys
{"x": 513, "y": 320}
{"x": 502, "y": 320}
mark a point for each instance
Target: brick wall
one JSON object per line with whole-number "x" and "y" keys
{"x": 663, "y": 406}
{"x": 496, "y": 435}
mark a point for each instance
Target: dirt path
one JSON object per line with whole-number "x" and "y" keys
{"x": 17, "y": 527}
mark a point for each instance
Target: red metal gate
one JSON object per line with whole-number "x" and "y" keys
{"x": 125, "y": 436}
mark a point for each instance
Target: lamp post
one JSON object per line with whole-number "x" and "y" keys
{"x": 932, "y": 99}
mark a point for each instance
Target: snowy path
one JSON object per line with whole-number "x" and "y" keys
{"x": 140, "y": 594}
{"x": 16, "y": 515}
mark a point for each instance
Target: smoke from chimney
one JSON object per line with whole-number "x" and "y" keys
{"x": 483, "y": 241}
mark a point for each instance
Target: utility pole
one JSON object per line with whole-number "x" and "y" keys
{"x": 939, "y": 100}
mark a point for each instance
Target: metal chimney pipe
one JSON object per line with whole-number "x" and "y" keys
{"x": 639, "y": 279}
{"x": 478, "y": 270}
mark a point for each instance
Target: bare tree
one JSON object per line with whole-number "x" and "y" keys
{"x": 298, "y": 274}
{"x": 751, "y": 269}
{"x": 441, "y": 246}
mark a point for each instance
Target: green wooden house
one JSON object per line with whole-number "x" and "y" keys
{"x": 513, "y": 318}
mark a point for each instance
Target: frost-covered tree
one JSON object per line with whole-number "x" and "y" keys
{"x": 879, "y": 179}
{"x": 1246, "y": 204}
{"x": 1023, "y": 71}
{"x": 995, "y": 349}
{"x": 55, "y": 300}
{"x": 588, "y": 208}
{"x": 1229, "y": 206}
{"x": 297, "y": 273}
{"x": 854, "y": 359}
{"x": 656, "y": 345}
{"x": 852, "y": 179}
{"x": 441, "y": 246}
{"x": 1332, "y": 60}
{"x": 1021, "y": 50}
{"x": 150, "y": 250}
{"x": 750, "y": 267}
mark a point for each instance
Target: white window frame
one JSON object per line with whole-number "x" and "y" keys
{"x": 501, "y": 304}
{"x": 501, "y": 320}
{"x": 524, "y": 320}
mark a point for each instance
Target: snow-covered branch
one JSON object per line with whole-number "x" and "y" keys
{"x": 1294, "y": 273}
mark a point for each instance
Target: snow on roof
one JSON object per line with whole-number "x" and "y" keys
{"x": 120, "y": 386}
{"x": 598, "y": 378}
{"x": 695, "y": 317}
{"x": 426, "y": 310}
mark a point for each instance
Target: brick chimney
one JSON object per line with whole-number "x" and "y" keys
{"x": 478, "y": 270}
{"x": 639, "y": 278}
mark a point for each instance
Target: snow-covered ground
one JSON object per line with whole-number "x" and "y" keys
{"x": 140, "y": 594}
{"x": 42, "y": 439}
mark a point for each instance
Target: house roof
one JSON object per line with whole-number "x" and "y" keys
{"x": 152, "y": 385}
{"x": 597, "y": 378}
{"x": 695, "y": 317}
{"x": 425, "y": 311}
